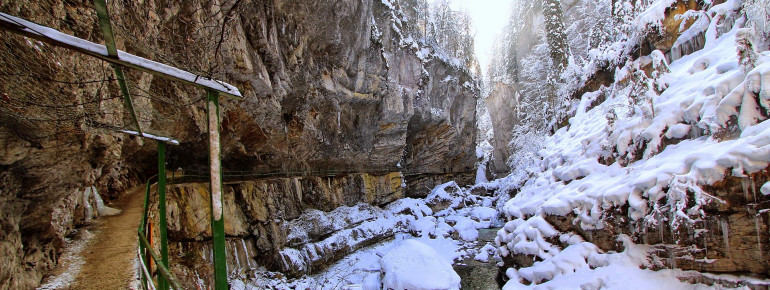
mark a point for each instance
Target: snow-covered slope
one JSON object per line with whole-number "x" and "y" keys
{"x": 639, "y": 155}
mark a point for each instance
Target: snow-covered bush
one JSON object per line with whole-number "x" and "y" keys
{"x": 758, "y": 16}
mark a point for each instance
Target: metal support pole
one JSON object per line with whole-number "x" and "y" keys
{"x": 162, "y": 283}
{"x": 112, "y": 50}
{"x": 215, "y": 187}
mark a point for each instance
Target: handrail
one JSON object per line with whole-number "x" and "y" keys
{"x": 239, "y": 175}
{"x": 145, "y": 271}
{"x": 145, "y": 245}
{"x": 146, "y": 205}
{"x": 162, "y": 268}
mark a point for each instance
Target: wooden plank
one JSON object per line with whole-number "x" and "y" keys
{"x": 56, "y": 38}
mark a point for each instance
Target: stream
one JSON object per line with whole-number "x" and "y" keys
{"x": 475, "y": 274}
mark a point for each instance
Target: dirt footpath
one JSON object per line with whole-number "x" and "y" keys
{"x": 110, "y": 256}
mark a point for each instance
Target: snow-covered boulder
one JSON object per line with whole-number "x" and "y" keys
{"x": 416, "y": 266}
{"x": 447, "y": 195}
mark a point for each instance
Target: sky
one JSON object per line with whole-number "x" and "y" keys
{"x": 489, "y": 19}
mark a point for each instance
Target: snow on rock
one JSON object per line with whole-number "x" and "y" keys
{"x": 415, "y": 265}
{"x": 765, "y": 190}
{"x": 425, "y": 226}
{"x": 654, "y": 14}
{"x": 447, "y": 195}
{"x": 527, "y": 237}
{"x": 465, "y": 228}
{"x": 583, "y": 266}
{"x": 573, "y": 180}
{"x": 678, "y": 131}
{"x": 362, "y": 233}
{"x": 484, "y": 253}
{"x": 485, "y": 216}
{"x": 613, "y": 155}
{"x": 348, "y": 229}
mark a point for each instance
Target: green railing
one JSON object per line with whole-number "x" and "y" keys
{"x": 147, "y": 253}
{"x": 189, "y": 176}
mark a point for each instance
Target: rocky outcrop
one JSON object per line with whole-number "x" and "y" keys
{"x": 294, "y": 225}
{"x": 731, "y": 238}
{"x": 501, "y": 103}
{"x": 326, "y": 85}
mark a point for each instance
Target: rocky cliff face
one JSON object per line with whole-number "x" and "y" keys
{"x": 293, "y": 225}
{"x": 731, "y": 239}
{"x": 501, "y": 104}
{"x": 326, "y": 84}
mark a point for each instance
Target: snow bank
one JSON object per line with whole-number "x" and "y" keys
{"x": 652, "y": 146}
{"x": 414, "y": 265}
{"x": 572, "y": 179}
{"x": 582, "y": 266}
{"x": 654, "y": 14}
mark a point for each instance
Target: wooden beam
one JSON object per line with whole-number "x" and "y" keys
{"x": 56, "y": 38}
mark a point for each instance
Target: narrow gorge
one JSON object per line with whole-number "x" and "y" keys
{"x": 387, "y": 144}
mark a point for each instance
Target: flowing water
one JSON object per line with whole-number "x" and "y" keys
{"x": 476, "y": 274}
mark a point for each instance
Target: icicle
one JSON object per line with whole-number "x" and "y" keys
{"x": 660, "y": 230}
{"x": 102, "y": 209}
{"x": 671, "y": 258}
{"x": 199, "y": 281}
{"x": 759, "y": 239}
{"x": 339, "y": 115}
{"x": 88, "y": 210}
{"x": 745, "y": 186}
{"x": 207, "y": 254}
{"x": 237, "y": 257}
{"x": 705, "y": 239}
{"x": 249, "y": 259}
{"x": 725, "y": 235}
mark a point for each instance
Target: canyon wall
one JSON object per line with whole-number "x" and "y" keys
{"x": 731, "y": 239}
{"x": 294, "y": 225}
{"x": 326, "y": 84}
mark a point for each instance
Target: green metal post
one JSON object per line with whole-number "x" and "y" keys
{"x": 112, "y": 50}
{"x": 215, "y": 188}
{"x": 162, "y": 283}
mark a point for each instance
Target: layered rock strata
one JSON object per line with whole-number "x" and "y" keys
{"x": 294, "y": 225}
